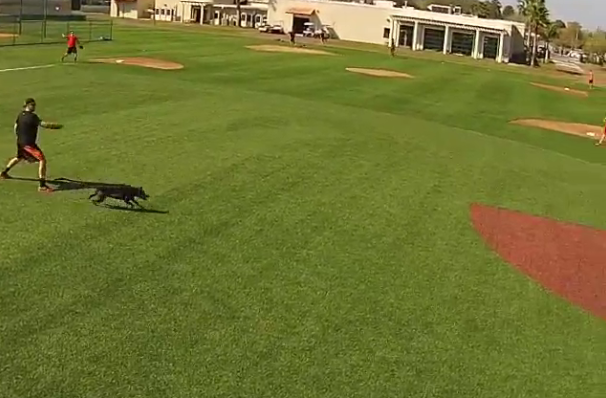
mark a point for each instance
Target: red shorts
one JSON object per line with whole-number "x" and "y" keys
{"x": 30, "y": 153}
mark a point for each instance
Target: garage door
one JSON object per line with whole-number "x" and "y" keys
{"x": 462, "y": 43}
{"x": 433, "y": 39}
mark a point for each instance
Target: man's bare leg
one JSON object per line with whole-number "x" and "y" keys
{"x": 12, "y": 163}
{"x": 601, "y": 139}
{"x": 42, "y": 177}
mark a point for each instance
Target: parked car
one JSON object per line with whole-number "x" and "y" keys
{"x": 275, "y": 29}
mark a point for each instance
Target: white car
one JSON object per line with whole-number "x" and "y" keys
{"x": 276, "y": 29}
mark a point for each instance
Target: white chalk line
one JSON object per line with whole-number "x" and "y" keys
{"x": 27, "y": 68}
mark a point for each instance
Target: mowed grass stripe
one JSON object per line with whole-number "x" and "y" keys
{"x": 315, "y": 245}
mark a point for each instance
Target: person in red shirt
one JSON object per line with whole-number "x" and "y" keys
{"x": 591, "y": 79}
{"x": 72, "y": 46}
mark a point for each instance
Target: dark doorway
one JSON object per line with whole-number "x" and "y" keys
{"x": 298, "y": 24}
{"x": 76, "y": 5}
{"x": 462, "y": 43}
{"x": 491, "y": 47}
{"x": 406, "y": 35}
{"x": 196, "y": 13}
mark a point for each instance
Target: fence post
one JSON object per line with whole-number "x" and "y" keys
{"x": 15, "y": 31}
{"x": 20, "y": 16}
{"x": 45, "y": 18}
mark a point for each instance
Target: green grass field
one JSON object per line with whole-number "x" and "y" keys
{"x": 318, "y": 241}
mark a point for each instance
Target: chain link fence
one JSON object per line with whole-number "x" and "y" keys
{"x": 20, "y": 32}
{"x": 45, "y": 21}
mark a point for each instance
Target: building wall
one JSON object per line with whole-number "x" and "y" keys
{"x": 366, "y": 23}
{"x": 213, "y": 13}
{"x": 131, "y": 9}
{"x": 354, "y": 22}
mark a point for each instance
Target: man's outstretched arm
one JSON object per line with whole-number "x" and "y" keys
{"x": 50, "y": 125}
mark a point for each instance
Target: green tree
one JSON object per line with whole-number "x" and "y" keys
{"x": 595, "y": 45}
{"x": 508, "y": 11}
{"x": 549, "y": 34}
{"x": 559, "y": 23}
{"x": 495, "y": 8}
{"x": 571, "y": 36}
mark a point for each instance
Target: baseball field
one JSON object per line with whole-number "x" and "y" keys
{"x": 312, "y": 231}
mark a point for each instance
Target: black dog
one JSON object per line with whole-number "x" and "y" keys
{"x": 125, "y": 193}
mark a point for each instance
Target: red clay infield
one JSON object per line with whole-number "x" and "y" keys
{"x": 567, "y": 259}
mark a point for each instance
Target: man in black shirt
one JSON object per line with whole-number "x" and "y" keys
{"x": 26, "y": 129}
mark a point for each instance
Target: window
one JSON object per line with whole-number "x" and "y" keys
{"x": 386, "y": 32}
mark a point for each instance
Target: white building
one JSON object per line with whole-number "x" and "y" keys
{"x": 381, "y": 22}
{"x": 211, "y": 12}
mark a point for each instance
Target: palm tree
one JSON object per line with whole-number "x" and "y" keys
{"x": 551, "y": 32}
{"x": 522, "y": 11}
{"x": 537, "y": 16}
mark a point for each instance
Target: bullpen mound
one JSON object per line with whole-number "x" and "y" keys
{"x": 145, "y": 62}
{"x": 7, "y": 35}
{"x": 565, "y": 90}
{"x": 567, "y": 259}
{"x": 285, "y": 49}
{"x": 578, "y": 129}
{"x": 379, "y": 72}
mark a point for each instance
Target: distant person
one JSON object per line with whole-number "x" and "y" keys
{"x": 324, "y": 36}
{"x": 603, "y": 134}
{"x": 26, "y": 129}
{"x": 392, "y": 48}
{"x": 72, "y": 46}
{"x": 292, "y": 37}
{"x": 591, "y": 79}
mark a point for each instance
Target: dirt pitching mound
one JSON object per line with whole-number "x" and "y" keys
{"x": 285, "y": 49}
{"x": 144, "y": 62}
{"x": 565, "y": 90}
{"x": 578, "y": 129}
{"x": 379, "y": 72}
{"x": 566, "y": 259}
{"x": 7, "y": 35}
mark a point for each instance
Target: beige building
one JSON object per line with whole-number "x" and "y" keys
{"x": 211, "y": 12}
{"x": 382, "y": 22}
{"x": 133, "y": 9}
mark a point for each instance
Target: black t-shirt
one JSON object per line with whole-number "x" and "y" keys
{"x": 27, "y": 127}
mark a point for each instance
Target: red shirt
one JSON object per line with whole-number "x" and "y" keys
{"x": 72, "y": 40}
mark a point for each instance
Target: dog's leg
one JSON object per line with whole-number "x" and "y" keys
{"x": 100, "y": 199}
{"x": 93, "y": 195}
{"x": 137, "y": 203}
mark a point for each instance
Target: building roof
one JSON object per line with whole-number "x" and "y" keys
{"x": 439, "y": 22}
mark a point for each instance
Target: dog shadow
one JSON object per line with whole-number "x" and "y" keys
{"x": 66, "y": 184}
{"x": 133, "y": 209}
